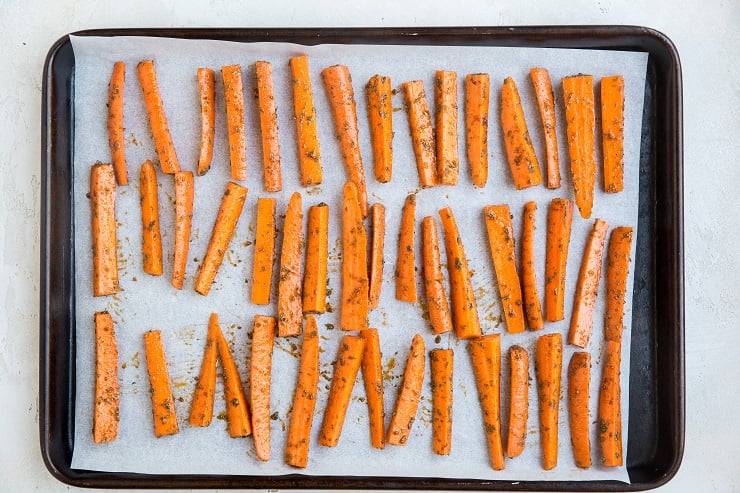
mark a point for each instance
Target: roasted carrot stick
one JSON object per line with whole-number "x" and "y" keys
{"x": 184, "y": 195}
{"x": 559, "y": 220}
{"x": 307, "y": 134}
{"x": 464, "y": 308}
{"x": 525, "y": 169}
{"x": 503, "y": 254}
{"x": 578, "y": 95}
{"x": 407, "y": 402}
{"x": 422, "y": 135}
{"x": 290, "y": 308}
{"x": 530, "y": 293}
{"x": 201, "y": 410}
{"x": 518, "y": 401}
{"x": 317, "y": 256}
{"x": 234, "y": 97}
{"x": 338, "y": 82}
{"x": 587, "y": 288}
{"x": 477, "y": 95}
{"x": 579, "y": 377}
{"x": 163, "y": 404}
{"x": 546, "y": 102}
{"x": 304, "y": 398}
{"x": 268, "y": 124}
{"x": 612, "y": 132}
{"x": 372, "y": 375}
{"x": 107, "y": 389}
{"x": 151, "y": 248}
{"x": 380, "y": 116}
{"x": 103, "y": 212}
{"x": 485, "y": 353}
{"x": 207, "y": 92}
{"x": 168, "y": 161}
{"x": 355, "y": 284}
{"x": 260, "y": 373}
{"x": 228, "y": 215}
{"x": 116, "y": 139}
{"x": 445, "y": 130}
{"x": 441, "y": 362}
{"x": 406, "y": 263}
{"x": 348, "y": 363}
{"x": 377, "y": 245}
{"x": 237, "y": 410}
{"x": 610, "y": 408}
{"x": 264, "y": 251}
{"x": 617, "y": 270}
{"x": 439, "y": 310}
{"x": 548, "y": 365}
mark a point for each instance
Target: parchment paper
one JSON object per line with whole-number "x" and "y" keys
{"x": 151, "y": 303}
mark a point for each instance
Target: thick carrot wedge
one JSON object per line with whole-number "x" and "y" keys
{"x": 579, "y": 377}
{"x": 163, "y": 404}
{"x": 184, "y": 195}
{"x": 317, "y": 257}
{"x": 201, "y": 410}
{"x": 518, "y": 401}
{"x": 116, "y": 138}
{"x": 380, "y": 116}
{"x": 434, "y": 281}
{"x": 406, "y": 264}
{"x": 578, "y": 95}
{"x": 307, "y": 134}
{"x": 355, "y": 283}
{"x": 151, "y": 248}
{"x": 559, "y": 220}
{"x": 207, "y": 92}
{"x": 260, "y": 373}
{"x": 273, "y": 176}
{"x": 445, "y": 130}
{"x": 610, "y": 408}
{"x": 477, "y": 96}
{"x": 168, "y": 161}
{"x": 617, "y": 270}
{"x": 422, "y": 134}
{"x": 234, "y": 97}
{"x": 107, "y": 388}
{"x": 264, "y": 251}
{"x": 612, "y": 132}
{"x": 485, "y": 353}
{"x": 530, "y": 293}
{"x": 103, "y": 212}
{"x": 546, "y": 102}
{"x": 548, "y": 364}
{"x": 290, "y": 301}
{"x": 441, "y": 362}
{"x": 237, "y": 410}
{"x": 525, "y": 169}
{"x": 372, "y": 375}
{"x": 377, "y": 245}
{"x": 407, "y": 402}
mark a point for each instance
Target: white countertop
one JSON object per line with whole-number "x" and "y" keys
{"x": 706, "y": 33}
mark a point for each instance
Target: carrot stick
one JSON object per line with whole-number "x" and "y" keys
{"x": 422, "y": 136}
{"x": 578, "y": 94}
{"x": 107, "y": 389}
{"x": 546, "y": 102}
{"x": 477, "y": 95}
{"x": 406, "y": 263}
{"x": 103, "y": 212}
{"x": 151, "y": 249}
{"x": 503, "y": 254}
{"x": 163, "y": 404}
{"x": 407, "y": 402}
{"x": 228, "y": 215}
{"x": 464, "y": 308}
{"x": 168, "y": 161}
{"x": 610, "y": 409}
{"x": 377, "y": 245}
{"x": 439, "y": 310}
{"x": 548, "y": 367}
{"x": 207, "y": 92}
{"x": 264, "y": 251}
{"x": 530, "y": 293}
{"x": 116, "y": 138}
{"x": 348, "y": 363}
{"x": 485, "y": 353}
{"x": 338, "y": 82}
{"x": 263, "y": 337}
{"x": 237, "y": 410}
{"x": 355, "y": 283}
{"x": 587, "y": 288}
{"x": 307, "y": 134}
{"x": 518, "y": 401}
{"x": 612, "y": 132}
{"x": 372, "y": 375}
{"x": 441, "y": 362}
{"x": 317, "y": 256}
{"x": 290, "y": 310}
{"x": 304, "y": 398}
{"x": 617, "y": 270}
{"x": 184, "y": 194}
{"x": 380, "y": 116}
{"x": 579, "y": 376}
{"x": 445, "y": 131}
{"x": 201, "y": 410}
{"x": 234, "y": 96}
{"x": 559, "y": 220}
{"x": 525, "y": 169}
{"x": 269, "y": 128}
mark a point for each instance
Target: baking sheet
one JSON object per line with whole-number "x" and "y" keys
{"x": 148, "y": 302}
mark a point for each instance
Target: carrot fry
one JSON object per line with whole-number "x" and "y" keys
{"x": 168, "y": 161}
{"x": 348, "y": 363}
{"x": 546, "y": 102}
{"x": 116, "y": 139}
{"x": 579, "y": 376}
{"x": 263, "y": 337}
{"x": 107, "y": 388}
{"x": 525, "y": 169}
{"x": 201, "y": 410}
{"x": 559, "y": 220}
{"x": 578, "y": 95}
{"x": 290, "y": 310}
{"x": 151, "y": 249}
{"x": 228, "y": 215}
{"x": 268, "y": 124}
{"x": 587, "y": 288}
{"x": 406, "y": 263}
{"x": 530, "y": 293}
{"x": 338, "y": 82}
{"x": 307, "y": 134}
{"x": 234, "y": 97}
{"x": 207, "y": 92}
{"x": 612, "y": 132}
{"x": 441, "y": 362}
{"x": 445, "y": 131}
{"x": 464, "y": 308}
{"x": 407, "y": 402}
{"x": 163, "y": 404}
{"x": 477, "y": 95}
{"x": 184, "y": 194}
{"x": 439, "y": 310}
{"x": 372, "y": 375}
{"x": 377, "y": 245}
{"x": 485, "y": 353}
{"x": 355, "y": 283}
{"x": 237, "y": 410}
{"x": 380, "y": 115}
{"x": 518, "y": 401}
{"x": 548, "y": 368}
{"x": 317, "y": 256}
{"x": 610, "y": 409}
{"x": 264, "y": 251}
{"x": 503, "y": 254}
{"x": 103, "y": 212}
{"x": 304, "y": 398}
{"x": 617, "y": 270}
{"x": 422, "y": 135}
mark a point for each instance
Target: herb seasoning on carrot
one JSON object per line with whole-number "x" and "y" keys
{"x": 441, "y": 362}
{"x": 422, "y": 134}
{"x": 578, "y": 94}
{"x": 439, "y": 310}
{"x": 184, "y": 194}
{"x": 263, "y": 337}
{"x": 380, "y": 116}
{"x": 207, "y": 91}
{"x": 546, "y": 102}
{"x": 372, "y": 375}
{"x": 445, "y": 131}
{"x": 579, "y": 377}
{"x": 477, "y": 95}
{"x": 559, "y": 220}
{"x": 290, "y": 308}
{"x": 116, "y": 139}
{"x": 377, "y": 245}
{"x": 168, "y": 161}
{"x": 107, "y": 388}
{"x": 237, "y": 411}
{"x": 406, "y": 263}
{"x": 617, "y": 270}
{"x": 612, "y": 132}
{"x": 317, "y": 257}
{"x": 234, "y": 96}
{"x": 355, "y": 283}
{"x": 532, "y": 307}
{"x": 103, "y": 212}
{"x": 548, "y": 368}
{"x": 264, "y": 251}
{"x": 518, "y": 401}
{"x": 407, "y": 402}
{"x": 201, "y": 410}
{"x": 307, "y": 134}
{"x": 525, "y": 169}
{"x": 163, "y": 404}
{"x": 269, "y": 128}
{"x": 610, "y": 408}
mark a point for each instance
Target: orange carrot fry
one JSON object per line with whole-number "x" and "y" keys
{"x": 103, "y": 212}
{"x": 559, "y": 220}
{"x": 610, "y": 409}
{"x": 372, "y": 375}
{"x": 441, "y": 362}
{"x": 317, "y": 257}
{"x": 207, "y": 92}
{"x": 168, "y": 161}
{"x": 355, "y": 283}
{"x": 116, "y": 138}
{"x": 579, "y": 377}
{"x": 406, "y": 264}
{"x": 485, "y": 353}
{"x": 617, "y": 270}
{"x": 264, "y": 251}
{"x": 151, "y": 249}
{"x": 530, "y": 293}
{"x": 422, "y": 135}
{"x": 290, "y": 309}
{"x": 578, "y": 94}
{"x": 546, "y": 102}
{"x": 184, "y": 195}
{"x": 263, "y": 337}
{"x": 612, "y": 132}
{"x": 377, "y": 245}
{"x": 234, "y": 97}
{"x": 518, "y": 401}
{"x": 439, "y": 310}
{"x": 107, "y": 388}
{"x": 307, "y": 134}
{"x": 201, "y": 410}
{"x": 477, "y": 96}
{"x": 445, "y": 131}
{"x": 548, "y": 368}
{"x": 163, "y": 404}
{"x": 380, "y": 116}
{"x": 407, "y": 402}
{"x": 525, "y": 169}
{"x": 269, "y": 127}
{"x": 237, "y": 410}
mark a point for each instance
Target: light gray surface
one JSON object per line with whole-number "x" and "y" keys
{"x": 706, "y": 34}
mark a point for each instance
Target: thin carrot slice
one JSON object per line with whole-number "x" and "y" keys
{"x": 377, "y": 245}
{"x": 612, "y": 132}
{"x": 530, "y": 293}
{"x": 151, "y": 249}
{"x": 441, "y": 362}
{"x": 546, "y": 102}
{"x": 485, "y": 353}
{"x": 269, "y": 127}
{"x": 290, "y": 309}
{"x": 116, "y": 138}
{"x": 548, "y": 368}
{"x": 578, "y": 95}
{"x": 184, "y": 195}
{"x": 107, "y": 388}
{"x": 237, "y": 410}
{"x": 103, "y": 212}
{"x": 559, "y": 220}
{"x": 407, "y": 402}
{"x": 168, "y": 161}
{"x": 422, "y": 135}
{"x": 163, "y": 404}
{"x": 355, "y": 283}
{"x": 201, "y": 410}
{"x": 264, "y": 251}
{"x": 207, "y": 92}
{"x": 406, "y": 263}
{"x": 317, "y": 257}
{"x": 518, "y": 401}
{"x": 525, "y": 169}
{"x": 477, "y": 96}
{"x": 579, "y": 377}
{"x": 380, "y": 115}
{"x": 439, "y": 310}
{"x": 307, "y": 134}
{"x": 260, "y": 373}
{"x": 234, "y": 96}
{"x": 372, "y": 375}
{"x": 445, "y": 131}
{"x": 617, "y": 270}
{"x": 610, "y": 408}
